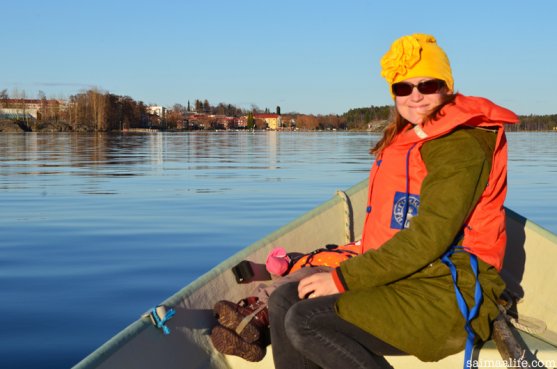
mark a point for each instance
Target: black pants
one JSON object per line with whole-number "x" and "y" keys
{"x": 309, "y": 334}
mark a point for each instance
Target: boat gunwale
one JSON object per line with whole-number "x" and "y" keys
{"x": 530, "y": 225}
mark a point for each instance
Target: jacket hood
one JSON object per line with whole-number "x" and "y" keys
{"x": 470, "y": 107}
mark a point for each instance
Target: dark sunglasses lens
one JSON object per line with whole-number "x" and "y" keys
{"x": 402, "y": 89}
{"x": 430, "y": 87}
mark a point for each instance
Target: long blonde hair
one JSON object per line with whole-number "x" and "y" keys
{"x": 398, "y": 124}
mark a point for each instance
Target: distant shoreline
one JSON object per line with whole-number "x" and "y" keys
{"x": 57, "y": 127}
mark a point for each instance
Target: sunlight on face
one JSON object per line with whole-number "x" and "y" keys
{"x": 416, "y": 106}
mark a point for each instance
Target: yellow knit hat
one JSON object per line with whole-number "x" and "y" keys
{"x": 416, "y": 55}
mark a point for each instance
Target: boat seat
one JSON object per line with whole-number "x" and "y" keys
{"x": 488, "y": 356}
{"x": 485, "y": 356}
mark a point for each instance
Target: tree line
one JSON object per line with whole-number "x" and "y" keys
{"x": 95, "y": 110}
{"x": 534, "y": 123}
{"x": 90, "y": 110}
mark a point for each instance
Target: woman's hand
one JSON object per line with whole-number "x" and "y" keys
{"x": 316, "y": 285}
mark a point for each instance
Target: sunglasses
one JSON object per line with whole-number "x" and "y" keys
{"x": 431, "y": 86}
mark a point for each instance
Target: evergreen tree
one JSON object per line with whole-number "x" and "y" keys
{"x": 251, "y": 121}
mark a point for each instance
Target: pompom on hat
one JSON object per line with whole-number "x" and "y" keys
{"x": 416, "y": 55}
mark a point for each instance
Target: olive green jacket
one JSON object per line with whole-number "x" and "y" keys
{"x": 402, "y": 293}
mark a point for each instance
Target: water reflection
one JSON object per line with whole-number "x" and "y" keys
{"x": 56, "y": 158}
{"x": 206, "y": 163}
{"x": 200, "y": 159}
{"x": 533, "y": 176}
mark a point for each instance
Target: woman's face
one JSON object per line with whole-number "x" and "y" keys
{"x": 417, "y": 105}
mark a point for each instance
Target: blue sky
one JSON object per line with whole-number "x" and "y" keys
{"x": 308, "y": 56}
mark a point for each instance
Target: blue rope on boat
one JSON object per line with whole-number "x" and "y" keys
{"x": 161, "y": 322}
{"x": 468, "y": 314}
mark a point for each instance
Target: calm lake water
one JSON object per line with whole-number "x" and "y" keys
{"x": 97, "y": 228}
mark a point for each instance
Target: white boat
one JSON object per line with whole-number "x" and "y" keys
{"x": 528, "y": 270}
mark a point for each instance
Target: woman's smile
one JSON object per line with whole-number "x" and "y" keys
{"x": 416, "y": 106}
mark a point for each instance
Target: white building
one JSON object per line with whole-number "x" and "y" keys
{"x": 157, "y": 110}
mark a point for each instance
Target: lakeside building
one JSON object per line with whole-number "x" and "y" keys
{"x": 158, "y": 117}
{"x": 213, "y": 121}
{"x": 157, "y": 110}
{"x": 243, "y": 122}
{"x": 30, "y": 108}
{"x": 273, "y": 121}
{"x": 196, "y": 120}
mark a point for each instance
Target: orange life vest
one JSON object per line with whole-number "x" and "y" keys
{"x": 398, "y": 172}
{"x": 328, "y": 256}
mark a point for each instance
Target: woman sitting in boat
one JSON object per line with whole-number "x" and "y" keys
{"x": 434, "y": 213}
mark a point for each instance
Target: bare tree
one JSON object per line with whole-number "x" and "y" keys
{"x": 98, "y": 103}
{"x": 4, "y": 98}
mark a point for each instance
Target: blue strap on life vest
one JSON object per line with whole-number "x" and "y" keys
{"x": 468, "y": 314}
{"x": 407, "y": 202}
{"x": 160, "y": 322}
